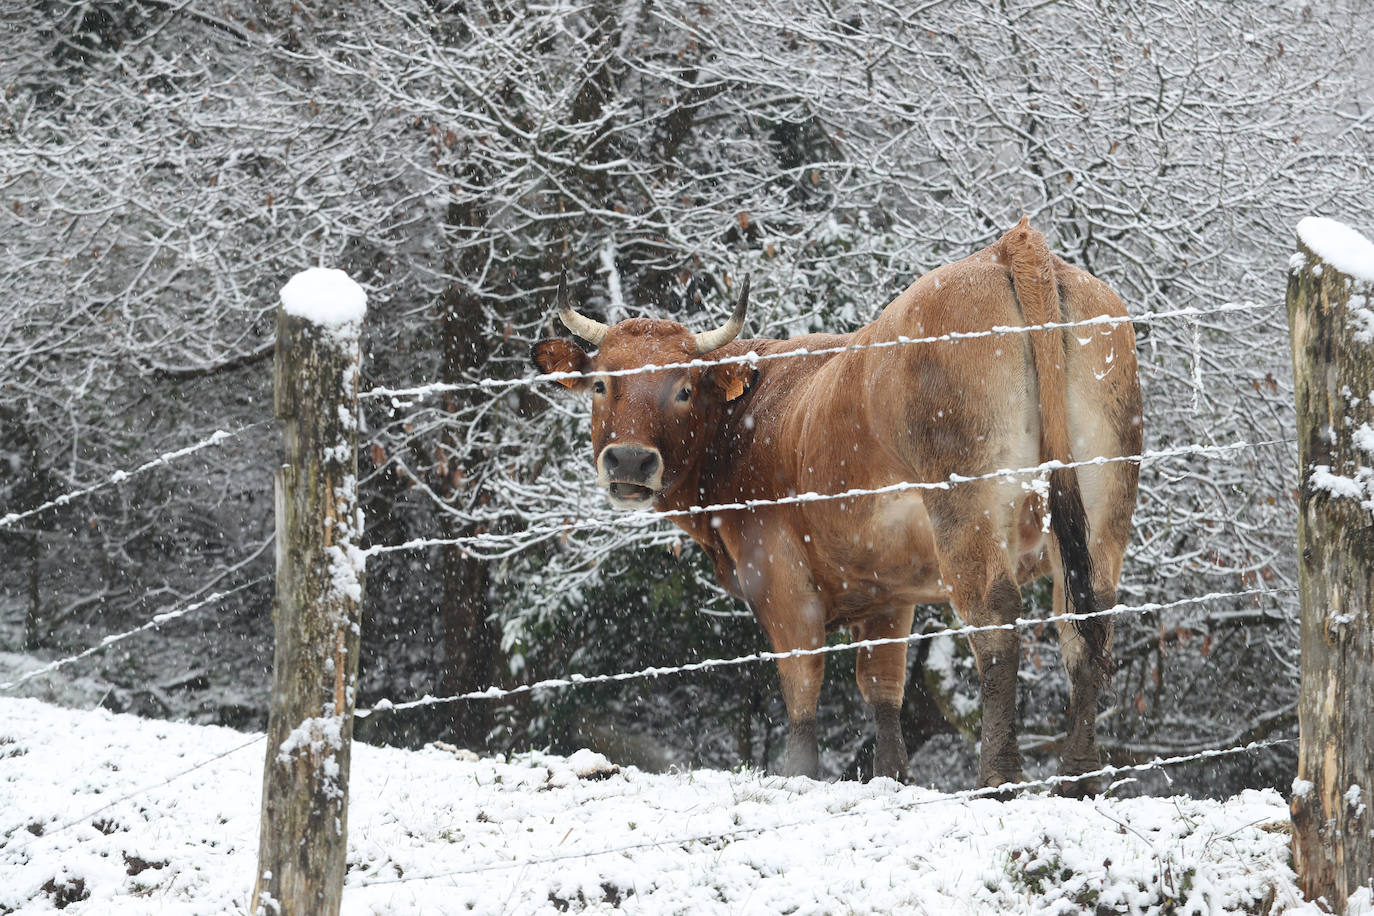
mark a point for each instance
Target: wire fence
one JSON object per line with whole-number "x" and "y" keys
{"x": 513, "y": 542}
{"x": 533, "y": 534}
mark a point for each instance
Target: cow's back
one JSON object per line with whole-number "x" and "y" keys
{"x": 878, "y": 416}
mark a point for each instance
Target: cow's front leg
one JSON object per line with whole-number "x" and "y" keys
{"x": 794, "y": 625}
{"x": 801, "y": 689}
{"x": 785, "y": 601}
{"x": 881, "y": 675}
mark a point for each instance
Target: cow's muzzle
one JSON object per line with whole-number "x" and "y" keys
{"x": 631, "y": 474}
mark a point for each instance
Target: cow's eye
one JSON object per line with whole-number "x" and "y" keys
{"x": 598, "y": 387}
{"x": 684, "y": 394}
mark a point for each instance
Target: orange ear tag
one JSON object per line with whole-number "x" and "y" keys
{"x": 567, "y": 365}
{"x": 734, "y": 389}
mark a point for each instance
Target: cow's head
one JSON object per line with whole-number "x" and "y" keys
{"x": 648, "y": 428}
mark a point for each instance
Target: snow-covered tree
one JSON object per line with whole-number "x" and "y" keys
{"x": 163, "y": 170}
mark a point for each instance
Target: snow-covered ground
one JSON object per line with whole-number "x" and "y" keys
{"x": 98, "y": 814}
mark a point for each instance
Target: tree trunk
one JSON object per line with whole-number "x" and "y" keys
{"x": 470, "y": 641}
{"x": 27, "y": 486}
{"x": 1333, "y": 367}
{"x": 470, "y": 637}
{"x": 317, "y": 616}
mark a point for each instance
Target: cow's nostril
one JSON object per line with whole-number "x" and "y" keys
{"x": 612, "y": 460}
{"x": 647, "y": 465}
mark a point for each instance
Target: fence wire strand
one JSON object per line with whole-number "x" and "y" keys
{"x": 218, "y": 437}
{"x": 523, "y": 537}
{"x": 81, "y": 819}
{"x": 578, "y": 680}
{"x": 966, "y": 795}
{"x": 114, "y": 638}
{"x": 752, "y": 358}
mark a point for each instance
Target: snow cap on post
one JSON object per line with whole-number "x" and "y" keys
{"x": 327, "y": 297}
{"x": 1339, "y": 245}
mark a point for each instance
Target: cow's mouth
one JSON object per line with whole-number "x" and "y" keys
{"x": 630, "y": 495}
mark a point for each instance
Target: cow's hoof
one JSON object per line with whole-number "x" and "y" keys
{"x": 1075, "y": 785}
{"x": 991, "y": 785}
{"x": 1084, "y": 787}
{"x": 890, "y": 761}
{"x": 803, "y": 753}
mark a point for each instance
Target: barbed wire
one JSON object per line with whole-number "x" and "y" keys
{"x": 753, "y": 358}
{"x": 218, "y": 437}
{"x": 646, "y": 517}
{"x": 965, "y": 795}
{"x": 80, "y": 819}
{"x": 578, "y": 680}
{"x": 112, "y": 639}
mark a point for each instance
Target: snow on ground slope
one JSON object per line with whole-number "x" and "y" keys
{"x": 90, "y": 822}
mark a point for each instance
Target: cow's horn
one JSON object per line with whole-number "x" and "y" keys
{"x": 589, "y": 329}
{"x": 710, "y": 340}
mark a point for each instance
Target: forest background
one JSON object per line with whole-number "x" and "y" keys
{"x": 166, "y": 167}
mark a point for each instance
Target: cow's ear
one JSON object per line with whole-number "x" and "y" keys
{"x": 733, "y": 379}
{"x": 559, "y": 355}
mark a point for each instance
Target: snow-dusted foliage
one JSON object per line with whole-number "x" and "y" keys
{"x": 164, "y": 170}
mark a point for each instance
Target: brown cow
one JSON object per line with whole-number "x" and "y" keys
{"x": 867, "y": 418}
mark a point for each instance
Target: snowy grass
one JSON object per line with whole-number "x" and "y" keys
{"x": 87, "y": 824}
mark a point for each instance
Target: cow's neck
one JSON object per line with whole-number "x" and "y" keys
{"x": 702, "y": 483}
{"x": 685, "y": 493}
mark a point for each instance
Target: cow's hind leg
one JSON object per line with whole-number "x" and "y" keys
{"x": 1111, "y": 494}
{"x": 973, "y": 546}
{"x": 1087, "y": 676}
{"x": 881, "y": 674}
{"x": 1104, "y": 419}
{"x": 997, "y": 654}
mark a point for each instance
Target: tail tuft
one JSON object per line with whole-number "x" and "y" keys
{"x": 1070, "y": 524}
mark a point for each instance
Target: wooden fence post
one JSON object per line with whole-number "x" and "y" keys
{"x": 1331, "y": 319}
{"x": 318, "y": 608}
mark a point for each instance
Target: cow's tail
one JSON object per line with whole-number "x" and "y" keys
{"x": 1032, "y": 272}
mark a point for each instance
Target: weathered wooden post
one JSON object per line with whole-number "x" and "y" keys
{"x": 318, "y": 609}
{"x": 1331, "y": 318}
